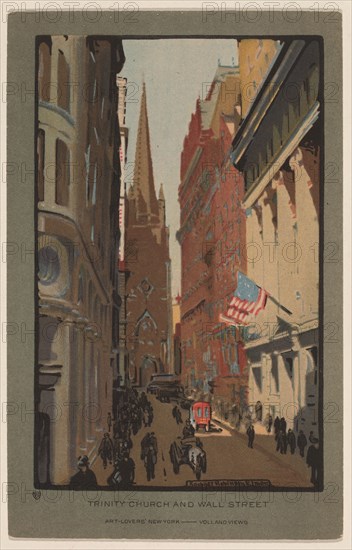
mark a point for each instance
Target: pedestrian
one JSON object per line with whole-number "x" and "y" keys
{"x": 301, "y": 442}
{"x": 153, "y": 442}
{"x": 251, "y": 434}
{"x": 150, "y": 415}
{"x": 281, "y": 442}
{"x": 314, "y": 461}
{"x": 278, "y": 441}
{"x": 311, "y": 437}
{"x": 145, "y": 417}
{"x": 144, "y": 445}
{"x": 276, "y": 427}
{"x": 84, "y": 479}
{"x": 106, "y": 450}
{"x": 143, "y": 400}
{"x": 284, "y": 442}
{"x": 149, "y": 462}
{"x": 127, "y": 469}
{"x": 188, "y": 430}
{"x": 270, "y": 423}
{"x": 134, "y": 422}
{"x": 176, "y": 413}
{"x": 109, "y": 421}
{"x": 291, "y": 440}
{"x": 283, "y": 425}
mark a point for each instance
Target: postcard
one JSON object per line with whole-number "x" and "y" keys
{"x": 174, "y": 258}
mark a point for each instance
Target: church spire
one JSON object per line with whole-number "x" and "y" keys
{"x": 161, "y": 193}
{"x": 147, "y": 207}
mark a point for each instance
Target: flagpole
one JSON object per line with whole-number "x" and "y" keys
{"x": 279, "y": 305}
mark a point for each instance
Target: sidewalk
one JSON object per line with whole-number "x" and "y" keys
{"x": 266, "y": 443}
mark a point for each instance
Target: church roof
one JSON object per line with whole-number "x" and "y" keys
{"x": 143, "y": 178}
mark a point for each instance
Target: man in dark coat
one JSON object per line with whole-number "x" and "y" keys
{"x": 270, "y": 423}
{"x": 144, "y": 445}
{"x": 123, "y": 475}
{"x": 149, "y": 462}
{"x": 281, "y": 442}
{"x": 150, "y": 415}
{"x": 276, "y": 427}
{"x": 109, "y": 421}
{"x": 188, "y": 430}
{"x": 283, "y": 425}
{"x": 301, "y": 442}
{"x": 291, "y": 440}
{"x": 106, "y": 450}
{"x": 314, "y": 461}
{"x": 251, "y": 434}
{"x": 84, "y": 479}
{"x": 153, "y": 442}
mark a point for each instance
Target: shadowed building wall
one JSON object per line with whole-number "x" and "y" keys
{"x": 78, "y": 188}
{"x": 278, "y": 148}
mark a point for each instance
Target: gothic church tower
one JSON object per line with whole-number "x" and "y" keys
{"x": 149, "y": 267}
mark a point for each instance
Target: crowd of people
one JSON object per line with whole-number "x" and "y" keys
{"x": 286, "y": 440}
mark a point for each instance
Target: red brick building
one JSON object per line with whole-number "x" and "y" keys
{"x": 212, "y": 238}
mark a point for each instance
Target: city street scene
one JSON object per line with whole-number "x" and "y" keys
{"x": 178, "y": 248}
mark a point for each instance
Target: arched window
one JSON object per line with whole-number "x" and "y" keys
{"x": 101, "y": 319}
{"x": 44, "y": 69}
{"x": 96, "y": 309}
{"x": 90, "y": 298}
{"x": 80, "y": 297}
{"x": 40, "y": 163}
{"x": 63, "y": 82}
{"x": 49, "y": 265}
{"x": 145, "y": 325}
{"x": 62, "y": 173}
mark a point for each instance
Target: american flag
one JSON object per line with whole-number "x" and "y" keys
{"x": 248, "y": 300}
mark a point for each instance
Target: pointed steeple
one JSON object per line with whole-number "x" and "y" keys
{"x": 161, "y": 193}
{"x": 161, "y": 202}
{"x": 147, "y": 204}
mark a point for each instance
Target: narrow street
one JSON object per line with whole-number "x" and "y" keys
{"x": 260, "y": 463}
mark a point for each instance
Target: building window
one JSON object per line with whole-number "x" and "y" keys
{"x": 63, "y": 79}
{"x": 40, "y": 163}
{"x": 62, "y": 173}
{"x": 49, "y": 265}
{"x": 44, "y": 69}
{"x": 275, "y": 375}
{"x": 80, "y": 287}
{"x": 257, "y": 375}
{"x": 289, "y": 367}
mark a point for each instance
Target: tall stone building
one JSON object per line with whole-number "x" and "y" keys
{"x": 277, "y": 147}
{"x": 78, "y": 185}
{"x": 123, "y": 355}
{"x": 148, "y": 265}
{"x": 212, "y": 236}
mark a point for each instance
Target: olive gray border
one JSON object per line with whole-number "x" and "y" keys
{"x": 286, "y": 515}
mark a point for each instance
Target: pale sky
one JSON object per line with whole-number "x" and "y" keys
{"x": 176, "y": 72}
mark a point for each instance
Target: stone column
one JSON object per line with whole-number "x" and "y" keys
{"x": 286, "y": 218}
{"x": 307, "y": 237}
